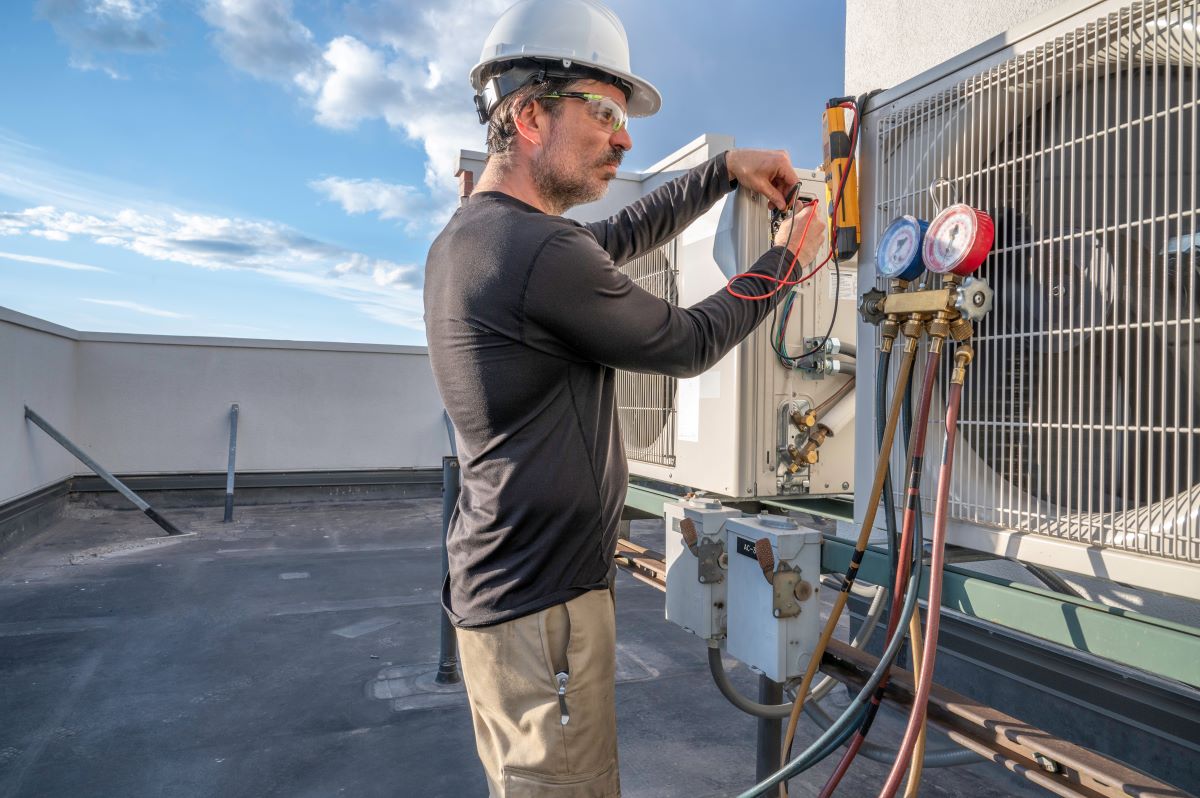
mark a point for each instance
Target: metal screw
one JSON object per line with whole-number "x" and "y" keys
{"x": 978, "y": 299}
{"x": 776, "y": 613}
{"x": 702, "y": 579}
{"x": 845, "y": 486}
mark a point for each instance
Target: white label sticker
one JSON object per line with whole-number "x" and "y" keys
{"x": 689, "y": 410}
{"x": 844, "y": 286}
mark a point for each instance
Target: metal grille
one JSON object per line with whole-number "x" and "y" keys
{"x": 1081, "y": 413}
{"x": 646, "y": 402}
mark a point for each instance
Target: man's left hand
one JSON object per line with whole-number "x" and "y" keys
{"x": 769, "y": 172}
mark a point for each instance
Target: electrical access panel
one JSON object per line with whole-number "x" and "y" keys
{"x": 774, "y": 579}
{"x": 696, "y": 562}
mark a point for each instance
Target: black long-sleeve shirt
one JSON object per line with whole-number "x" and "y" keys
{"x": 527, "y": 318}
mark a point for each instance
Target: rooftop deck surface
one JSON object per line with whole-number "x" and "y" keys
{"x": 290, "y": 653}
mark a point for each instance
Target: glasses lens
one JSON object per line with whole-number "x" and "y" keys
{"x": 608, "y": 113}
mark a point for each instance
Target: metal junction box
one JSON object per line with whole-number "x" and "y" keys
{"x": 774, "y": 619}
{"x": 696, "y": 565}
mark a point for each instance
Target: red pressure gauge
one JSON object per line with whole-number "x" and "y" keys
{"x": 958, "y": 240}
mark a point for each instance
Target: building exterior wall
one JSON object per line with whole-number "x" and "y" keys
{"x": 39, "y": 370}
{"x": 890, "y": 41}
{"x": 160, "y": 404}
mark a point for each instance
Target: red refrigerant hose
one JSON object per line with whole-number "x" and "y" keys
{"x": 925, "y": 680}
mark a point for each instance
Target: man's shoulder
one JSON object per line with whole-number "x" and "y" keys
{"x": 500, "y": 225}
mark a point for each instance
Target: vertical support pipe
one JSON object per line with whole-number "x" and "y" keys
{"x": 233, "y": 424}
{"x": 770, "y": 732}
{"x": 448, "y": 658}
{"x": 116, "y": 484}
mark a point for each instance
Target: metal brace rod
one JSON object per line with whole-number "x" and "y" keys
{"x": 101, "y": 472}
{"x": 233, "y": 425}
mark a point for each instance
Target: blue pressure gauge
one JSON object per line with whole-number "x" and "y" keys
{"x": 898, "y": 255}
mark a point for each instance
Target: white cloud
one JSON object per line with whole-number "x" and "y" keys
{"x": 55, "y": 262}
{"x": 406, "y": 65}
{"x": 137, "y": 307}
{"x": 260, "y": 37}
{"x": 389, "y": 200}
{"x": 94, "y": 29}
{"x": 66, "y": 204}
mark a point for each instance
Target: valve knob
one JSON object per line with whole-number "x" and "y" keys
{"x": 974, "y": 298}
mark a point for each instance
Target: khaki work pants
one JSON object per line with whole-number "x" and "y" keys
{"x": 511, "y": 674}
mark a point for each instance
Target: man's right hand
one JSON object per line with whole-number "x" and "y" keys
{"x": 806, "y": 244}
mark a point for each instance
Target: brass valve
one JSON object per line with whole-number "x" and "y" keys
{"x": 805, "y": 420}
{"x": 962, "y": 357}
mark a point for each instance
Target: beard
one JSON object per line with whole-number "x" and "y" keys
{"x": 563, "y": 182}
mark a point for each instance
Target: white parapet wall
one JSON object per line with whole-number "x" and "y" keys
{"x": 144, "y": 404}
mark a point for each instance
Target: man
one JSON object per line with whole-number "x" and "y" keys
{"x": 527, "y": 318}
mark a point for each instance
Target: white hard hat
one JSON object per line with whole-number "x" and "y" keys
{"x": 564, "y": 35}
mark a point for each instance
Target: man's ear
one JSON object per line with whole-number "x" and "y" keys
{"x": 531, "y": 123}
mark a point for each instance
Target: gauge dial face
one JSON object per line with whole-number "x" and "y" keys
{"x": 899, "y": 253}
{"x": 950, "y": 238}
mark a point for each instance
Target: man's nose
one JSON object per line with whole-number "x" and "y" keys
{"x": 621, "y": 139}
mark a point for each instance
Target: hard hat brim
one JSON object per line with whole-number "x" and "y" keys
{"x": 644, "y": 101}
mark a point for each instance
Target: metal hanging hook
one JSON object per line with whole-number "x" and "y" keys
{"x": 937, "y": 183}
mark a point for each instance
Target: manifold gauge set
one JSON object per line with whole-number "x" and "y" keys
{"x": 956, "y": 241}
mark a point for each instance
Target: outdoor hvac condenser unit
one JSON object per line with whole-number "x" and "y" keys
{"x": 1079, "y": 443}
{"x": 738, "y": 430}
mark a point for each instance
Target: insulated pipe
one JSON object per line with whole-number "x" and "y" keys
{"x": 845, "y": 388}
{"x": 915, "y": 460}
{"x": 881, "y": 472}
{"x": 840, "y": 415}
{"x": 938, "y": 561}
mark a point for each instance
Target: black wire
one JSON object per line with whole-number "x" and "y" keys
{"x": 779, "y": 268}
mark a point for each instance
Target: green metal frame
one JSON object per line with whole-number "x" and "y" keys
{"x": 1159, "y": 647}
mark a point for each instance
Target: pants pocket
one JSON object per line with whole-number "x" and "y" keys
{"x": 603, "y": 783}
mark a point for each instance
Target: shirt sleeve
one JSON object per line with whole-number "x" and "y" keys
{"x": 658, "y": 216}
{"x": 576, "y": 295}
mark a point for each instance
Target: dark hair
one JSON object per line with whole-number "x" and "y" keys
{"x": 502, "y": 128}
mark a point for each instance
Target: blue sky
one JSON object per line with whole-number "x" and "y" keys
{"x": 277, "y": 169}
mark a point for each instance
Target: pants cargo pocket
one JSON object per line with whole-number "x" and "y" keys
{"x": 604, "y": 783}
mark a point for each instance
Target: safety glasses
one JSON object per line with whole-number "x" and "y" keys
{"x": 604, "y": 110}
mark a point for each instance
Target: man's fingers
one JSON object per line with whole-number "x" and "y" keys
{"x": 774, "y": 196}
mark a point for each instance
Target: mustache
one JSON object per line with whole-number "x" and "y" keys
{"x": 614, "y": 157}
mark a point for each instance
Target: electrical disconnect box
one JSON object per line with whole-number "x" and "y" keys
{"x": 696, "y": 562}
{"x": 773, "y": 580}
